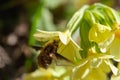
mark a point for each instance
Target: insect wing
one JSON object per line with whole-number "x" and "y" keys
{"x": 61, "y": 61}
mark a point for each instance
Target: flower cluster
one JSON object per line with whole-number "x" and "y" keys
{"x": 99, "y": 47}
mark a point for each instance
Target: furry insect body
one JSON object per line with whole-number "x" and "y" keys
{"x": 47, "y": 54}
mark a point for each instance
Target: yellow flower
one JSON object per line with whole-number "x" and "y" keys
{"x": 94, "y": 67}
{"x": 56, "y": 73}
{"x": 107, "y": 39}
{"x": 115, "y": 46}
{"x": 67, "y": 47}
{"x": 102, "y": 35}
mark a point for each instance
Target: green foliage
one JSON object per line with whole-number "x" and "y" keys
{"x": 43, "y": 19}
{"x": 52, "y": 3}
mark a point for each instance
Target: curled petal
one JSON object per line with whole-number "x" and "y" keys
{"x": 45, "y": 35}
{"x": 64, "y": 37}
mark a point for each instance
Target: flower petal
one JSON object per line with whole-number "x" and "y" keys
{"x": 115, "y": 77}
{"x": 115, "y": 49}
{"x": 95, "y": 62}
{"x": 99, "y": 33}
{"x": 69, "y": 51}
{"x": 113, "y": 68}
{"x": 64, "y": 38}
{"x": 45, "y": 35}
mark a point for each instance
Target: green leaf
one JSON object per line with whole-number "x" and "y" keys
{"x": 99, "y": 17}
{"x": 73, "y": 23}
{"x": 85, "y": 44}
{"x": 36, "y": 19}
{"x": 113, "y": 15}
{"x": 46, "y": 21}
{"x": 42, "y": 20}
{"x": 85, "y": 26}
{"x": 110, "y": 15}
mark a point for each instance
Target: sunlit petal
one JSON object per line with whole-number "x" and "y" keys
{"x": 69, "y": 51}
{"x": 99, "y": 33}
{"x": 115, "y": 49}
{"x": 45, "y": 35}
{"x": 113, "y": 68}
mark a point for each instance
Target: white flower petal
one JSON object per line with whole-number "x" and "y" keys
{"x": 63, "y": 38}
{"x": 87, "y": 71}
{"x": 45, "y": 35}
{"x": 113, "y": 68}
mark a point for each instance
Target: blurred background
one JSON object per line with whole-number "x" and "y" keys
{"x": 19, "y": 19}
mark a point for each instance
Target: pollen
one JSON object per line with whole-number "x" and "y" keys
{"x": 117, "y": 33}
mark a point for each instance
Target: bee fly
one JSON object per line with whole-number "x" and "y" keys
{"x": 48, "y": 54}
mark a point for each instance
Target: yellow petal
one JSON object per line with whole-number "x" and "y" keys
{"x": 81, "y": 70}
{"x": 96, "y": 74}
{"x": 99, "y": 33}
{"x": 115, "y": 49}
{"x": 39, "y": 74}
{"x": 95, "y": 62}
{"x": 69, "y": 51}
{"x": 58, "y": 71}
{"x": 84, "y": 72}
